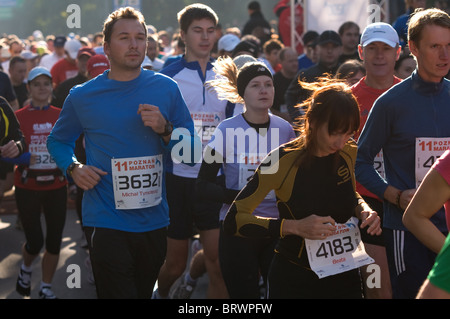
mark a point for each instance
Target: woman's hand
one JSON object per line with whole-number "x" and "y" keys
{"x": 9, "y": 150}
{"x": 311, "y": 227}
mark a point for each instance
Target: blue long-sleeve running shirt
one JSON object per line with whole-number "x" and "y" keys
{"x": 106, "y": 111}
{"x": 400, "y": 121}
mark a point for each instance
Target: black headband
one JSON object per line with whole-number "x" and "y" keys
{"x": 248, "y": 72}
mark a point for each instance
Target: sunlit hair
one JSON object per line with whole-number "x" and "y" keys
{"x": 225, "y": 82}
{"x": 421, "y": 18}
{"x": 332, "y": 103}
{"x": 231, "y": 82}
{"x": 122, "y": 13}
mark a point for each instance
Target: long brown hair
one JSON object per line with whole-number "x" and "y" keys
{"x": 332, "y": 102}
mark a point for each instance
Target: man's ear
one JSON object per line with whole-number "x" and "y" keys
{"x": 399, "y": 51}
{"x": 413, "y": 48}
{"x": 360, "y": 52}
{"x": 106, "y": 48}
{"x": 183, "y": 35}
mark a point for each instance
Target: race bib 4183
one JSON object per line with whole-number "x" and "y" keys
{"x": 340, "y": 252}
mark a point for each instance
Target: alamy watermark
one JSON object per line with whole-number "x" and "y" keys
{"x": 73, "y": 10}
{"x": 74, "y": 279}
{"x": 372, "y": 281}
{"x": 73, "y": 20}
{"x": 374, "y": 11}
{"x": 238, "y": 142}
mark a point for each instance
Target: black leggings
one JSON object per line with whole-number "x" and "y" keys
{"x": 242, "y": 262}
{"x": 125, "y": 264}
{"x": 287, "y": 280}
{"x": 53, "y": 203}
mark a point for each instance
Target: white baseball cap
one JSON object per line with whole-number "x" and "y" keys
{"x": 28, "y": 55}
{"x": 380, "y": 32}
{"x": 228, "y": 42}
{"x": 72, "y": 47}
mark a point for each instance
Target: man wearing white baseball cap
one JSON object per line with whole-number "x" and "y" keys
{"x": 412, "y": 113}
{"x": 379, "y": 49}
{"x": 66, "y": 68}
{"x": 72, "y": 47}
{"x": 379, "y": 32}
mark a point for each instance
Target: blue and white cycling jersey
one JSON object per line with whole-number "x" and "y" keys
{"x": 206, "y": 110}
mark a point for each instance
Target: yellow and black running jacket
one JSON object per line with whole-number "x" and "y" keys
{"x": 9, "y": 126}
{"x": 324, "y": 188}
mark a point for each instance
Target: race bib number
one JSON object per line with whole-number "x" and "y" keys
{"x": 428, "y": 150}
{"x": 205, "y": 124}
{"x": 42, "y": 158}
{"x": 137, "y": 181}
{"x": 247, "y": 167}
{"x": 341, "y": 252}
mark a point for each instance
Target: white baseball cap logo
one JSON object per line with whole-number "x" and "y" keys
{"x": 380, "y": 32}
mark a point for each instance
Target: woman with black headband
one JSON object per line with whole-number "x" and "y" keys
{"x": 238, "y": 146}
{"x": 319, "y": 248}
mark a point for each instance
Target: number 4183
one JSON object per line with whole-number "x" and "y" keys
{"x": 335, "y": 247}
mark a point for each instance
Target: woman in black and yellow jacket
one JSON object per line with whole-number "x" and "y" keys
{"x": 12, "y": 144}
{"x": 313, "y": 179}
{"x": 11, "y": 137}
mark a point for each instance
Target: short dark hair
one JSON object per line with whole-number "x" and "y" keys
{"x": 196, "y": 11}
{"x": 347, "y": 25}
{"x": 15, "y": 60}
{"x": 97, "y": 35}
{"x": 401, "y": 58}
{"x": 349, "y": 68}
{"x": 272, "y": 44}
{"x": 122, "y": 13}
{"x": 254, "y": 5}
{"x": 310, "y": 36}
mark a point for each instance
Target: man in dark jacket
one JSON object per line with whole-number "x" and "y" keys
{"x": 257, "y": 25}
{"x": 330, "y": 48}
